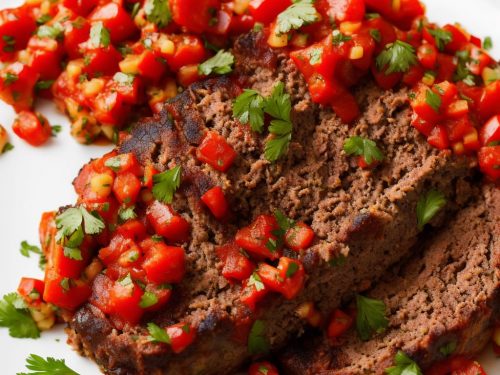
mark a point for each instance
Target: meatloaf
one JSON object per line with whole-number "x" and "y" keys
{"x": 444, "y": 296}
{"x": 367, "y": 216}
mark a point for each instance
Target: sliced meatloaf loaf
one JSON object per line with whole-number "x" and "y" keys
{"x": 368, "y": 216}
{"x": 447, "y": 294}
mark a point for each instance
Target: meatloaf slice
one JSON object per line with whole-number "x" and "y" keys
{"x": 368, "y": 216}
{"x": 447, "y": 294}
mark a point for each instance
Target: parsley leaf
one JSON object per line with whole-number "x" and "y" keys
{"x": 26, "y": 248}
{"x": 49, "y": 366}
{"x": 158, "y": 334}
{"x": 10, "y": 78}
{"x": 428, "y": 206}
{"x": 158, "y": 12}
{"x": 463, "y": 73}
{"x": 56, "y": 129}
{"x": 148, "y": 299}
{"x": 339, "y": 38}
{"x": 92, "y": 224}
{"x": 221, "y": 63}
{"x": 249, "y": 108}
{"x": 363, "y": 147}
{"x": 257, "y": 342}
{"x": 15, "y": 316}
{"x": 370, "y": 318}
{"x": 73, "y": 253}
{"x": 433, "y": 99}
{"x": 488, "y": 43}
{"x": 279, "y": 104}
{"x": 442, "y": 37}
{"x": 404, "y": 366}
{"x": 71, "y": 219}
{"x": 256, "y": 281}
{"x": 300, "y": 13}
{"x": 99, "y": 35}
{"x": 166, "y": 183}
{"x": 396, "y": 57}
{"x": 277, "y": 147}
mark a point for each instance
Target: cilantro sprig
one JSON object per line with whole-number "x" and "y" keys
{"x": 48, "y": 366}
{"x": 370, "y": 317}
{"x": 15, "y": 316}
{"x": 99, "y": 35}
{"x": 363, "y": 147}
{"x": 71, "y": 219}
{"x": 396, "y": 57}
{"x": 428, "y": 206}
{"x": 221, "y": 63}
{"x": 158, "y": 334}
{"x": 158, "y": 12}
{"x": 248, "y": 108}
{"x": 300, "y": 13}
{"x": 166, "y": 183}
{"x": 257, "y": 342}
{"x": 404, "y": 365}
{"x": 256, "y": 281}
{"x": 441, "y": 37}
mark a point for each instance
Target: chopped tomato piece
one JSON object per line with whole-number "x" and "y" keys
{"x": 181, "y": 336}
{"x": 422, "y": 126}
{"x": 124, "y": 299}
{"x": 402, "y": 15}
{"x": 340, "y": 322}
{"x": 162, "y": 293}
{"x": 488, "y": 106}
{"x": 45, "y": 57}
{"x": 490, "y": 132}
{"x": 424, "y": 108}
{"x": 164, "y": 264}
{"x": 384, "y": 80}
{"x": 215, "y": 151}
{"x": 456, "y": 366}
{"x": 342, "y": 10}
{"x": 489, "y": 161}
{"x": 115, "y": 19}
{"x": 215, "y": 200}
{"x": 237, "y": 266}
{"x": 133, "y": 229}
{"x": 100, "y": 61}
{"x": 188, "y": 74}
{"x": 479, "y": 60}
{"x": 65, "y": 292}
{"x": 149, "y": 172}
{"x": 118, "y": 245}
{"x": 446, "y": 67}
{"x": 189, "y": 50}
{"x": 16, "y": 27}
{"x": 427, "y": 55}
{"x": 439, "y": 137}
{"x": 252, "y": 293}
{"x": 81, "y": 7}
{"x": 287, "y": 279}
{"x": 47, "y": 229}
{"x": 126, "y": 187}
{"x": 17, "y": 83}
{"x": 346, "y": 107}
{"x": 167, "y": 223}
{"x": 263, "y": 368}
{"x": 258, "y": 238}
{"x": 199, "y": 21}
{"x": 458, "y": 38}
{"x": 32, "y": 127}
{"x": 299, "y": 237}
{"x": 76, "y": 32}
{"x": 265, "y": 11}
{"x": 31, "y": 290}
{"x": 110, "y": 108}
{"x": 101, "y": 286}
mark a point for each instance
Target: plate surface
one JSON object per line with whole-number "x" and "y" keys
{"x": 36, "y": 180}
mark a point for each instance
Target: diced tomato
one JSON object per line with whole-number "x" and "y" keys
{"x": 446, "y": 67}
{"x": 133, "y": 229}
{"x": 116, "y": 20}
{"x": 101, "y": 286}
{"x": 413, "y": 75}
{"x": 299, "y": 237}
{"x": 83, "y": 186}
{"x": 402, "y": 15}
{"x": 439, "y": 138}
{"x": 123, "y": 163}
{"x": 386, "y": 81}
{"x": 456, "y": 366}
{"x": 422, "y": 107}
{"x": 126, "y": 187}
{"x": 64, "y": 292}
{"x": 427, "y": 55}
{"x": 118, "y": 245}
{"x": 181, "y": 336}
{"x": 241, "y": 24}
{"x": 81, "y": 7}
{"x": 215, "y": 200}
{"x": 221, "y": 23}
{"x": 189, "y": 50}
{"x": 322, "y": 91}
{"x": 16, "y": 27}
{"x": 488, "y": 106}
{"x": 258, "y": 237}
{"x": 100, "y": 61}
{"x": 287, "y": 279}
{"x": 457, "y": 128}
{"x": 149, "y": 172}
{"x": 340, "y": 322}
{"x": 167, "y": 223}
{"x": 189, "y": 74}
{"x": 17, "y": 83}
{"x": 32, "y": 127}
{"x": 215, "y": 151}
{"x": 47, "y": 229}
{"x": 458, "y": 38}
{"x": 251, "y": 294}
{"x": 124, "y": 299}
{"x": 346, "y": 107}
{"x": 164, "y": 264}
{"x": 489, "y": 161}
{"x": 479, "y": 59}
{"x": 386, "y": 30}
{"x": 31, "y": 290}
{"x": 75, "y": 32}
{"x": 199, "y": 21}
{"x": 162, "y": 292}
{"x": 447, "y": 90}
{"x": 265, "y": 11}
{"x": 343, "y": 10}
{"x": 45, "y": 57}
{"x": 237, "y": 266}
{"x": 490, "y": 132}
{"x": 150, "y": 65}
{"x": 472, "y": 94}
{"x": 422, "y": 126}
{"x": 110, "y": 108}
{"x": 263, "y": 368}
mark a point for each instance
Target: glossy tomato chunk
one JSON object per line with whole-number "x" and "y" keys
{"x": 17, "y": 83}
{"x": 288, "y": 279}
{"x": 215, "y": 151}
{"x": 265, "y": 11}
{"x": 340, "y": 322}
{"x": 31, "y": 290}
{"x": 181, "y": 336}
{"x": 262, "y": 368}
{"x": 259, "y": 239}
{"x": 489, "y": 161}
{"x": 237, "y": 266}
{"x": 16, "y": 27}
{"x": 116, "y": 20}
{"x": 124, "y": 299}
{"x": 490, "y": 131}
{"x": 299, "y": 237}
{"x": 64, "y": 292}
{"x": 216, "y": 202}
{"x": 164, "y": 264}
{"x": 167, "y": 223}
{"x": 32, "y": 127}
{"x": 195, "y": 21}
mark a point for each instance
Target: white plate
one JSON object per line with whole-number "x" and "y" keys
{"x": 36, "y": 180}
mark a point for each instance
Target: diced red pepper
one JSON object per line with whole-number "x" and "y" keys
{"x": 199, "y": 21}
{"x": 167, "y": 223}
{"x": 439, "y": 137}
{"x": 427, "y": 55}
{"x": 490, "y": 132}
{"x": 16, "y": 27}
{"x": 124, "y": 299}
{"x": 215, "y": 200}
{"x": 457, "y": 366}
{"x": 126, "y": 188}
{"x": 164, "y": 264}
{"x": 181, "y": 336}
{"x": 64, "y": 292}
{"x": 265, "y": 11}
{"x": 299, "y": 237}
{"x": 340, "y": 322}
{"x": 215, "y": 151}
{"x": 258, "y": 238}
{"x": 32, "y": 127}
{"x": 263, "y": 368}
{"x": 489, "y": 161}
{"x": 288, "y": 279}
{"x": 116, "y": 19}
{"x": 237, "y": 266}
{"x": 403, "y": 15}
{"x": 31, "y": 290}
{"x": 17, "y": 83}
{"x": 488, "y": 106}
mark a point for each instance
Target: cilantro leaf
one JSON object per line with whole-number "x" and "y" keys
{"x": 284, "y": 222}
{"x": 375, "y": 34}
{"x": 10, "y": 78}
{"x": 93, "y": 224}
{"x": 73, "y": 253}
{"x": 277, "y": 147}
{"x": 257, "y": 342}
{"x": 124, "y": 79}
{"x": 256, "y": 281}
{"x": 158, "y": 12}
{"x": 433, "y": 99}
{"x": 158, "y": 334}
{"x": 43, "y": 85}
{"x": 370, "y": 318}
{"x": 26, "y": 248}
{"x": 127, "y": 213}
{"x": 8, "y": 147}
{"x": 339, "y": 38}
{"x": 279, "y": 105}
{"x": 53, "y": 32}
{"x": 68, "y": 222}
{"x": 249, "y": 108}
{"x": 300, "y": 13}
{"x": 441, "y": 37}
{"x": 428, "y": 206}
{"x": 99, "y": 35}
{"x": 463, "y": 73}
{"x": 15, "y": 317}
{"x": 315, "y": 56}
{"x": 56, "y": 129}
{"x": 166, "y": 183}
{"x": 49, "y": 366}
{"x": 292, "y": 269}
{"x": 221, "y": 63}
{"x": 404, "y": 366}
{"x": 148, "y": 299}
{"x": 488, "y": 43}
{"x": 363, "y": 147}
{"x": 396, "y": 57}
